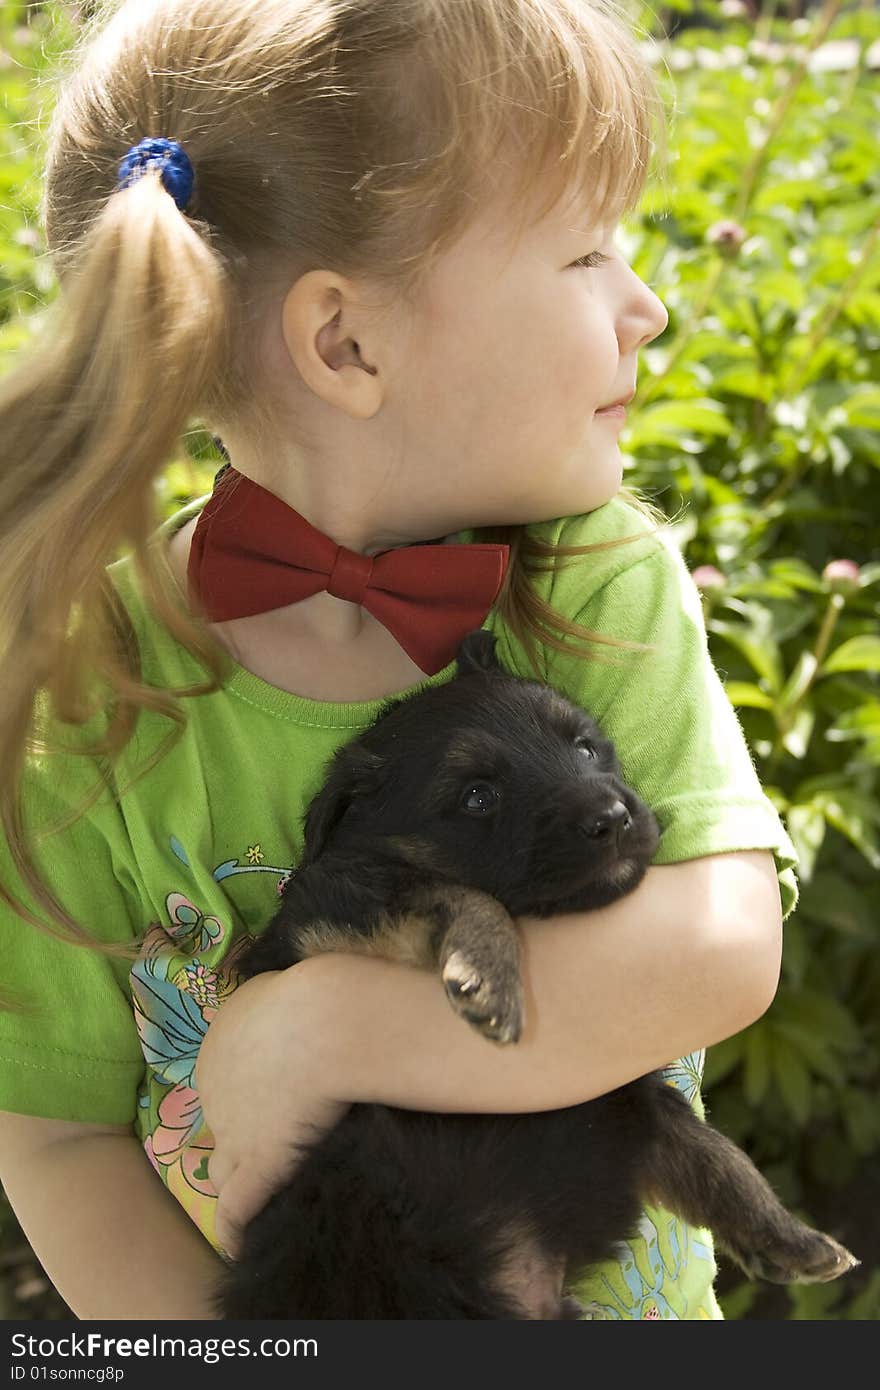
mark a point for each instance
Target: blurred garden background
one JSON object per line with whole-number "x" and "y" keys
{"x": 759, "y": 410}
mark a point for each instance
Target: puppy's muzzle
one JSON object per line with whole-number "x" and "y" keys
{"x": 607, "y": 824}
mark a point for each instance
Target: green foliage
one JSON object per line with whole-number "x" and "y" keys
{"x": 762, "y": 413}
{"x": 759, "y": 409}
{"x": 32, "y": 39}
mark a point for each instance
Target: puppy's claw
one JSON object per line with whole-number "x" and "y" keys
{"x": 816, "y": 1259}
{"x": 496, "y": 1029}
{"x": 494, "y": 1011}
{"x": 468, "y": 986}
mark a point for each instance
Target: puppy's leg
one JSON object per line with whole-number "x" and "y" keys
{"x": 476, "y": 948}
{"x": 463, "y": 932}
{"x": 535, "y": 1281}
{"x": 704, "y": 1178}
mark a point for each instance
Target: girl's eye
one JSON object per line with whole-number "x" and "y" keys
{"x": 595, "y": 258}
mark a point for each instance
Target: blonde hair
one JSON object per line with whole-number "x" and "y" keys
{"x": 353, "y": 134}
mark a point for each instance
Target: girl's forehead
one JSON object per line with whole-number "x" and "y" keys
{"x": 515, "y": 204}
{"x": 573, "y": 215}
{"x": 559, "y": 208}
{"x": 499, "y": 238}
{"x": 586, "y": 209}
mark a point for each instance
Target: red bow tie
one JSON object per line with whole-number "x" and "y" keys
{"x": 251, "y": 552}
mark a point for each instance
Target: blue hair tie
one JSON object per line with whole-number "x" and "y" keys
{"x": 170, "y": 158}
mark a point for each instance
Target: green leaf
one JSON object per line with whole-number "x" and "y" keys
{"x": 856, "y": 723}
{"x": 869, "y": 575}
{"x": 761, "y": 652}
{"x": 744, "y": 693}
{"x": 700, "y": 418}
{"x": 778, "y": 286}
{"x": 806, "y": 826}
{"x": 855, "y": 816}
{"x": 861, "y": 406}
{"x": 796, "y": 950}
{"x": 861, "y": 1115}
{"x": 865, "y": 1307}
{"x": 814, "y": 1050}
{"x": 722, "y": 1058}
{"x": 777, "y": 796}
{"x": 798, "y": 682}
{"x": 763, "y": 588}
{"x": 835, "y": 902}
{"x": 858, "y": 654}
{"x": 820, "y": 1014}
{"x": 814, "y": 1302}
{"x": 737, "y": 1302}
{"x": 792, "y": 1078}
{"x": 742, "y": 379}
{"x": 830, "y": 1159}
{"x": 797, "y": 739}
{"x": 744, "y": 307}
{"x": 852, "y": 725}
{"x": 757, "y": 1063}
{"x": 797, "y": 573}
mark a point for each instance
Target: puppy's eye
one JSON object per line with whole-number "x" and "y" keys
{"x": 586, "y": 747}
{"x": 480, "y": 799}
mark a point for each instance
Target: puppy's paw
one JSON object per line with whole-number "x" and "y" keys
{"x": 491, "y": 1004}
{"x": 808, "y": 1257}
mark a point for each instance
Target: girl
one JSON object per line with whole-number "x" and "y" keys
{"x": 372, "y": 243}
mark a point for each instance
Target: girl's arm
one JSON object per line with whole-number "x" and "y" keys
{"x": 690, "y": 957}
{"x": 113, "y": 1241}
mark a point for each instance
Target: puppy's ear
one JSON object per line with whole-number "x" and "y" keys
{"x": 353, "y": 772}
{"x": 477, "y": 653}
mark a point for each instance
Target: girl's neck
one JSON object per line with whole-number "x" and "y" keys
{"x": 288, "y": 648}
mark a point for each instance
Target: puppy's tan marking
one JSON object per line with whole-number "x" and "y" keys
{"x": 420, "y": 853}
{"x": 404, "y": 938}
{"x": 526, "y": 1272}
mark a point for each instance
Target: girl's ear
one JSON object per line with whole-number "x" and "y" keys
{"x": 354, "y": 771}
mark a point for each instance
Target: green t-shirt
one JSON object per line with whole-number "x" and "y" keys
{"x": 197, "y": 851}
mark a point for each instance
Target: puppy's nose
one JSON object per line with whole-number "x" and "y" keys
{"x": 601, "y": 825}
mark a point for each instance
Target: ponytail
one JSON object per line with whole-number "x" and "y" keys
{"x": 88, "y": 421}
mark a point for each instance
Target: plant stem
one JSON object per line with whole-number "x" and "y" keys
{"x": 836, "y": 604}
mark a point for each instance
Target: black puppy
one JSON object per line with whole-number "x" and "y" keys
{"x": 461, "y": 808}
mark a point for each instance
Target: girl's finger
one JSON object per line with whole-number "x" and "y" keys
{"x": 242, "y": 1196}
{"x": 220, "y": 1170}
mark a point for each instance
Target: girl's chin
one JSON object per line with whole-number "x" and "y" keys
{"x": 605, "y": 483}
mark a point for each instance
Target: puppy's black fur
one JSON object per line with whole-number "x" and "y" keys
{"x": 472, "y": 803}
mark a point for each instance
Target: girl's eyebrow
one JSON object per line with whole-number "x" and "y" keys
{"x": 582, "y": 228}
{"x": 593, "y": 232}
{"x": 579, "y": 222}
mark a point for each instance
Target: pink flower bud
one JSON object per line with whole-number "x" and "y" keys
{"x": 842, "y": 576}
{"x": 841, "y": 569}
{"x": 708, "y": 577}
{"x": 727, "y": 235}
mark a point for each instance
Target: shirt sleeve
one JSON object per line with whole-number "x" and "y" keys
{"x": 69, "y": 1047}
{"x": 678, "y": 739}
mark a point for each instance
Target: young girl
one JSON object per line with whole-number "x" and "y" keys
{"x": 372, "y": 244}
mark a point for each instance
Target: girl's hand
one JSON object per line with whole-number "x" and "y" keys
{"x": 265, "y": 1074}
